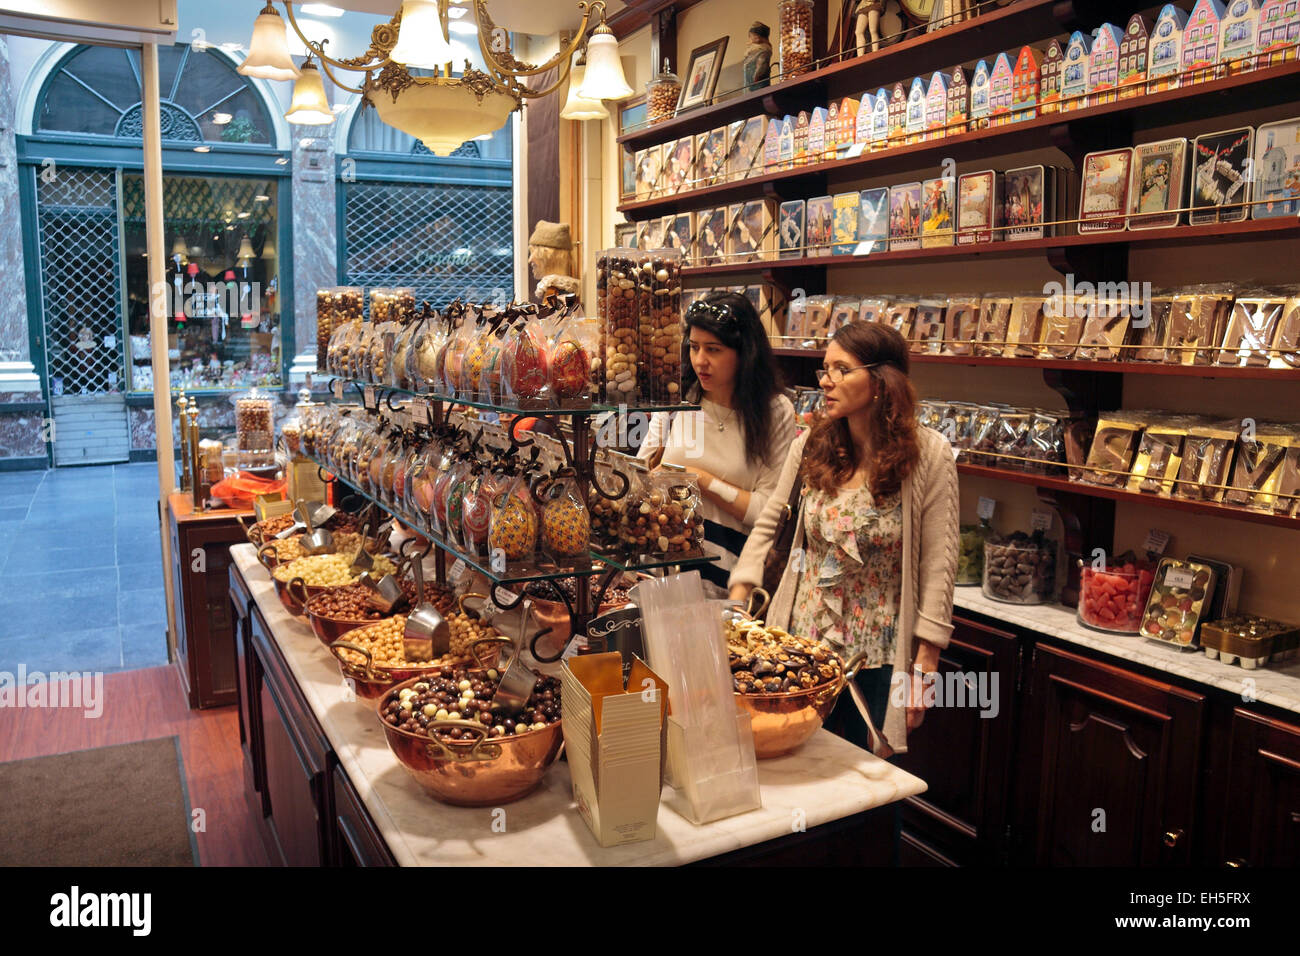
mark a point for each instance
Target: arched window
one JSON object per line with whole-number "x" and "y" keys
{"x": 97, "y": 91}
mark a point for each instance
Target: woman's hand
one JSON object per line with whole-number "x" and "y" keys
{"x": 741, "y": 592}
{"x": 927, "y": 661}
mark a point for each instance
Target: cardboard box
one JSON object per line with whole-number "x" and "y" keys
{"x": 614, "y": 735}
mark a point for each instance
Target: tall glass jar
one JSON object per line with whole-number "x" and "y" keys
{"x": 254, "y": 430}
{"x": 796, "y": 23}
{"x": 661, "y": 95}
{"x": 659, "y": 287}
{"x": 617, "y": 271}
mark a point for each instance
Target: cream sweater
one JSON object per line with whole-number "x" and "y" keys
{"x": 930, "y": 519}
{"x": 694, "y": 441}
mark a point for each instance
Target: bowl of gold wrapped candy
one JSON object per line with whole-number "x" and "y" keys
{"x": 787, "y": 684}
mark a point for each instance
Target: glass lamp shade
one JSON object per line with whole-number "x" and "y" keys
{"x": 268, "y": 250}
{"x": 309, "y": 106}
{"x": 420, "y": 40}
{"x": 179, "y": 248}
{"x": 245, "y": 250}
{"x": 577, "y": 108}
{"x": 268, "y": 52}
{"x": 442, "y": 114}
{"x": 604, "y": 79}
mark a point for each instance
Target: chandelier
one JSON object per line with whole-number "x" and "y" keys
{"x": 441, "y": 110}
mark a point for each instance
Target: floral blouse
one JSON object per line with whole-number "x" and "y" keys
{"x": 852, "y": 575}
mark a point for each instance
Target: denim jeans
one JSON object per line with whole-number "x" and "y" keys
{"x": 845, "y": 720}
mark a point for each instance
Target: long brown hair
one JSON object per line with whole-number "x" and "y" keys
{"x": 830, "y": 455}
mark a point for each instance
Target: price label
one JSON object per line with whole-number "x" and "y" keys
{"x": 368, "y": 398}
{"x": 419, "y": 413}
{"x": 338, "y": 389}
{"x": 855, "y": 150}
{"x": 457, "y": 570}
{"x": 1156, "y": 542}
{"x": 402, "y": 418}
{"x": 1040, "y": 520}
{"x": 1179, "y": 578}
{"x": 986, "y": 508}
{"x": 508, "y": 595}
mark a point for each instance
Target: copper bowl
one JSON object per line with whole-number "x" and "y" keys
{"x": 330, "y": 629}
{"x": 371, "y": 680}
{"x": 486, "y": 772}
{"x": 295, "y": 593}
{"x": 783, "y": 722}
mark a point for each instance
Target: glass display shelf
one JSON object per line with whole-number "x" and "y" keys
{"x": 624, "y": 561}
{"x": 595, "y": 408}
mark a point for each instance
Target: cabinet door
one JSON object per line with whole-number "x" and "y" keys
{"x": 963, "y": 748}
{"x": 1262, "y": 825}
{"x": 1119, "y": 765}
{"x": 356, "y": 841}
{"x": 247, "y": 681}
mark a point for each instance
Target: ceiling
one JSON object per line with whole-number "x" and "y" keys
{"x": 538, "y": 17}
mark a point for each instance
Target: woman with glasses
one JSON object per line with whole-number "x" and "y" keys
{"x": 874, "y": 556}
{"x": 737, "y": 441}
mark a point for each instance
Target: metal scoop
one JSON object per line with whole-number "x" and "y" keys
{"x": 362, "y": 561}
{"x": 316, "y": 540}
{"x": 383, "y": 595}
{"x": 518, "y": 679}
{"x": 319, "y": 512}
{"x": 427, "y": 635}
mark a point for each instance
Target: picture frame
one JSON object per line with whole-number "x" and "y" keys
{"x": 701, "y": 76}
{"x": 625, "y": 235}
{"x": 632, "y": 113}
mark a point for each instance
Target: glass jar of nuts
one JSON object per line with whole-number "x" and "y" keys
{"x": 796, "y": 23}
{"x": 661, "y": 95}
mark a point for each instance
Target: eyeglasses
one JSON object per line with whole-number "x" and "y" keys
{"x": 836, "y": 374}
{"x": 718, "y": 312}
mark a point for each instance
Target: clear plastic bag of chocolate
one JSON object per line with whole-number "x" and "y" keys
{"x": 477, "y": 356}
{"x": 421, "y": 473}
{"x": 447, "y": 486}
{"x": 1197, "y": 321}
{"x": 1207, "y": 456}
{"x": 512, "y": 534}
{"x": 451, "y": 358}
{"x": 1025, "y": 328}
{"x": 1257, "y": 469}
{"x": 575, "y": 360}
{"x": 1160, "y": 454}
{"x": 1009, "y": 438}
{"x": 565, "y": 520}
{"x": 983, "y": 438}
{"x": 995, "y": 318}
{"x": 1286, "y": 340}
{"x": 607, "y": 513}
{"x": 1252, "y": 325}
{"x": 526, "y": 365}
{"x": 674, "y": 500}
{"x": 961, "y": 325}
{"x": 617, "y": 272}
{"x": 1042, "y": 445}
{"x": 659, "y": 305}
{"x": 930, "y": 328}
{"x": 392, "y": 469}
{"x": 361, "y": 355}
{"x": 1113, "y": 446}
{"x": 1148, "y": 333}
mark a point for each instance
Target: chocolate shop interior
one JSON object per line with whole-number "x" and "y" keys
{"x": 433, "y": 566}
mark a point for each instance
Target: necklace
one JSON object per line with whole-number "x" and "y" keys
{"x": 722, "y": 425}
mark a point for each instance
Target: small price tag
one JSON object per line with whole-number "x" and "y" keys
{"x": 986, "y": 508}
{"x": 419, "y": 413}
{"x": 338, "y": 389}
{"x": 508, "y": 595}
{"x": 1156, "y": 542}
{"x": 855, "y": 150}
{"x": 457, "y": 570}
{"x": 368, "y": 398}
{"x": 1040, "y": 520}
{"x": 1179, "y": 578}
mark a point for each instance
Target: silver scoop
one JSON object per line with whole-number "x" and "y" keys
{"x": 317, "y": 511}
{"x": 362, "y": 560}
{"x": 316, "y": 540}
{"x": 383, "y": 595}
{"x": 518, "y": 679}
{"x": 427, "y": 635}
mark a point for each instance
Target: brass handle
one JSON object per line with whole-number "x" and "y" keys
{"x": 268, "y": 563}
{"x": 365, "y": 671}
{"x": 1172, "y": 837}
{"x": 1236, "y": 863}
{"x": 301, "y": 585}
{"x": 480, "y": 752}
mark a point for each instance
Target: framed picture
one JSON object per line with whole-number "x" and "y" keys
{"x": 632, "y": 113}
{"x": 702, "y": 72}
{"x": 625, "y": 235}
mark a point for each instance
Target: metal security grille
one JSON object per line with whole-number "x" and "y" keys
{"x": 81, "y": 305}
{"x": 444, "y": 241}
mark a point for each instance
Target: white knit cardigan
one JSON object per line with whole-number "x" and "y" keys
{"x": 930, "y": 521}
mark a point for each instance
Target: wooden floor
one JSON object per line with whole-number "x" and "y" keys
{"x": 141, "y": 705}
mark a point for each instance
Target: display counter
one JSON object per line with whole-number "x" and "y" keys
{"x": 829, "y": 800}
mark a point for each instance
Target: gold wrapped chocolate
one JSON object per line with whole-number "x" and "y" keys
{"x": 995, "y": 316}
{"x": 1063, "y": 319}
{"x": 961, "y": 325}
{"x": 1251, "y": 326}
{"x": 1207, "y": 454}
{"x": 1258, "y": 467}
{"x": 1286, "y": 340}
{"x": 1025, "y": 328}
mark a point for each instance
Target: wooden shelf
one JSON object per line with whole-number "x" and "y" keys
{"x": 1214, "y": 98}
{"x": 1089, "y": 365}
{"x": 1008, "y": 28}
{"x": 1116, "y": 494}
{"x": 1281, "y": 227}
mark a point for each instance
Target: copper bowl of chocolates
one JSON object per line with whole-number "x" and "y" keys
{"x": 371, "y": 660}
{"x": 788, "y": 685}
{"x": 480, "y": 766}
{"x": 335, "y": 611}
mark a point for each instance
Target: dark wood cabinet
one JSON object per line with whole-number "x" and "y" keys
{"x": 1261, "y": 824}
{"x": 1117, "y": 764}
{"x": 963, "y": 752}
{"x": 205, "y": 640}
{"x": 356, "y": 841}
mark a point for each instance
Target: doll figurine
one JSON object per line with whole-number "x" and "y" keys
{"x": 867, "y": 21}
{"x": 758, "y": 56}
{"x": 550, "y": 256}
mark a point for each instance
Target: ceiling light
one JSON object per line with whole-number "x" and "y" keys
{"x": 221, "y": 119}
{"x": 309, "y": 106}
{"x": 268, "y": 50}
{"x": 465, "y": 27}
{"x": 604, "y": 79}
{"x": 578, "y": 108}
{"x": 421, "y": 41}
{"x": 245, "y": 250}
{"x": 244, "y": 215}
{"x": 321, "y": 10}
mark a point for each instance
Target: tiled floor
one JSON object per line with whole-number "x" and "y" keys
{"x": 82, "y": 569}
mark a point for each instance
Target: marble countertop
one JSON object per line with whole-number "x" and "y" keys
{"x": 827, "y": 779}
{"x": 1276, "y": 684}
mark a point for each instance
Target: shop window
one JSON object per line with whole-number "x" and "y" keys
{"x": 97, "y": 90}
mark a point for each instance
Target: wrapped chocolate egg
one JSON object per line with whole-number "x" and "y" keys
{"x": 514, "y": 524}
{"x": 570, "y": 370}
{"x": 524, "y": 364}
